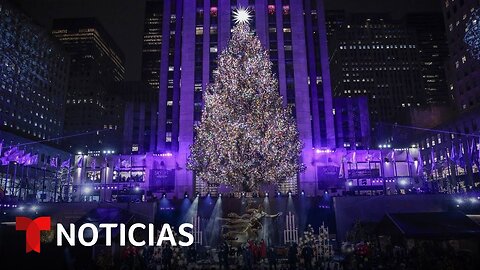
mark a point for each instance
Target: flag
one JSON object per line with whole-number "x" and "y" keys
{"x": 420, "y": 163}
{"x": 391, "y": 156}
{"x": 33, "y": 160}
{"x": 452, "y": 155}
{"x": 472, "y": 149}
{"x": 377, "y": 155}
{"x": 13, "y": 154}
{"x": 4, "y": 161}
{"x": 432, "y": 159}
{"x": 461, "y": 151}
{"x": 126, "y": 163}
{"x": 105, "y": 163}
{"x": 79, "y": 162}
{"x": 10, "y": 151}
{"x": 117, "y": 164}
{"x": 25, "y": 159}
{"x": 477, "y": 158}
{"x": 401, "y": 155}
{"x": 369, "y": 156}
{"x": 66, "y": 164}
{"x": 54, "y": 162}
{"x": 410, "y": 158}
{"x": 18, "y": 156}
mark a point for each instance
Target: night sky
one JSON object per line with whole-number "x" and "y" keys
{"x": 123, "y": 19}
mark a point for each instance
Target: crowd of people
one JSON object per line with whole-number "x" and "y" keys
{"x": 424, "y": 255}
{"x": 254, "y": 255}
{"x": 251, "y": 255}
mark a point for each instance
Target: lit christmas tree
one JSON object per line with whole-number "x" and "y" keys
{"x": 246, "y": 137}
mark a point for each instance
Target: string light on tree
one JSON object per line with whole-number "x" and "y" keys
{"x": 246, "y": 136}
{"x": 241, "y": 15}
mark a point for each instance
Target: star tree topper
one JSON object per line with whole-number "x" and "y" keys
{"x": 241, "y": 15}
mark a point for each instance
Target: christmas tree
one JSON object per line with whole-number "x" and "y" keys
{"x": 246, "y": 136}
{"x": 307, "y": 239}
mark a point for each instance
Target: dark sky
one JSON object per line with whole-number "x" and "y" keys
{"x": 397, "y": 7}
{"x": 123, "y": 19}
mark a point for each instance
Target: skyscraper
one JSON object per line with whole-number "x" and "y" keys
{"x": 352, "y": 122}
{"x": 138, "y": 107}
{"x": 34, "y": 77}
{"x": 96, "y": 62}
{"x": 462, "y": 68}
{"x": 194, "y": 32}
{"x": 376, "y": 56}
{"x": 431, "y": 44}
{"x": 152, "y": 43}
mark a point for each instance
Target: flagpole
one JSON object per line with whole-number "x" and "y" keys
{"x": 468, "y": 167}
{"x": 35, "y": 182}
{"x": 408, "y": 165}
{"x": 105, "y": 181}
{"x": 68, "y": 183}
{"x": 382, "y": 170}
{"x": 14, "y": 179}
{"x": 21, "y": 180}
{"x": 56, "y": 185}
{"x": 453, "y": 179}
{"x": 26, "y": 184}
{"x": 6, "y": 176}
{"x": 43, "y": 184}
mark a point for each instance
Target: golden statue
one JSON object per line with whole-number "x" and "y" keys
{"x": 240, "y": 228}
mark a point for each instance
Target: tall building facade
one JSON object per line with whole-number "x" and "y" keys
{"x": 352, "y": 122}
{"x": 95, "y": 63}
{"x": 33, "y": 77}
{"x": 432, "y": 51}
{"x": 398, "y": 63}
{"x": 377, "y": 56}
{"x": 138, "y": 109}
{"x": 194, "y": 32}
{"x": 462, "y": 68}
{"x": 152, "y": 43}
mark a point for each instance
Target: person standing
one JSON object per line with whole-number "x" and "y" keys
{"x": 263, "y": 249}
{"x": 272, "y": 259}
{"x": 247, "y": 257}
{"x": 192, "y": 256}
{"x": 292, "y": 257}
{"x": 167, "y": 255}
{"x": 307, "y": 254}
{"x": 225, "y": 250}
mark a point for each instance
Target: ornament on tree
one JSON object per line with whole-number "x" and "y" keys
{"x": 246, "y": 137}
{"x": 472, "y": 34}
